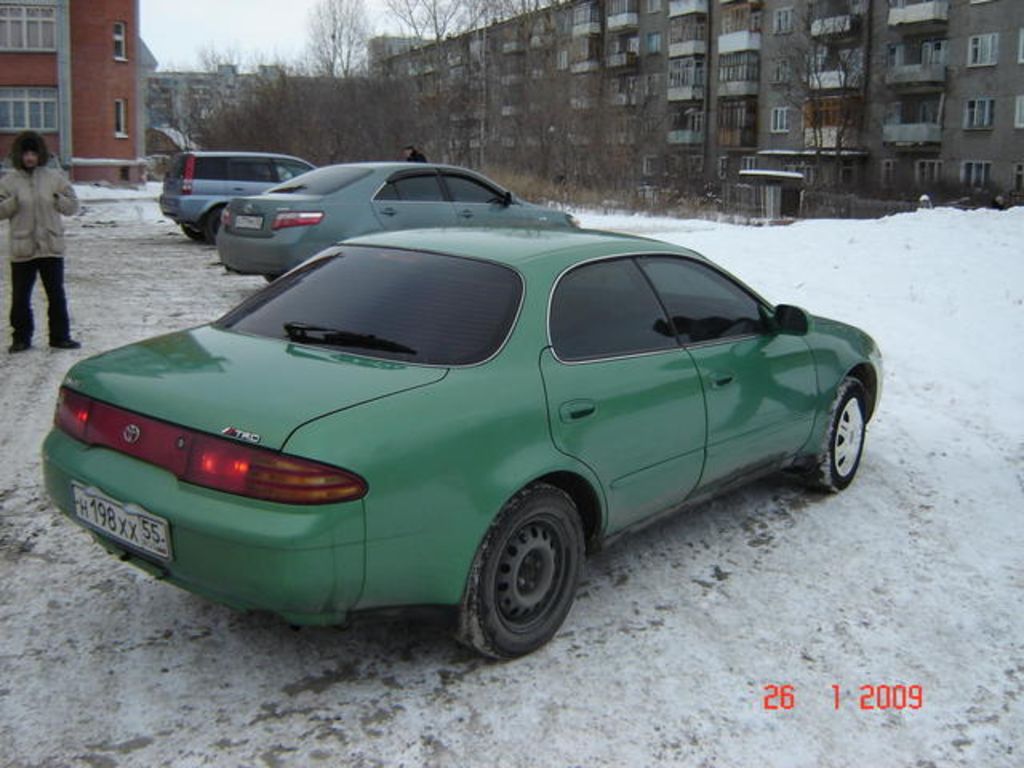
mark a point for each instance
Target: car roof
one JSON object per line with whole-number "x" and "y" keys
{"x": 241, "y": 153}
{"x": 521, "y": 247}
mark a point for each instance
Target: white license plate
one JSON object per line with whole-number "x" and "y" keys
{"x": 248, "y": 222}
{"x": 124, "y": 523}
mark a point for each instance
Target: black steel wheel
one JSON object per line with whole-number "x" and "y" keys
{"x": 192, "y": 233}
{"x": 211, "y": 224}
{"x": 524, "y": 577}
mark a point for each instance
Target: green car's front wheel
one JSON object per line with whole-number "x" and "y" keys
{"x": 845, "y": 441}
{"x": 524, "y": 577}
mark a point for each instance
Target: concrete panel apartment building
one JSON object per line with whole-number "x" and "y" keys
{"x": 69, "y": 69}
{"x": 878, "y": 97}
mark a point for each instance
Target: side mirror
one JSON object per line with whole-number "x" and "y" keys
{"x": 791, "y": 320}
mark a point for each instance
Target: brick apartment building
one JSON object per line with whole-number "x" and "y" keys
{"x": 70, "y": 70}
{"x": 881, "y": 97}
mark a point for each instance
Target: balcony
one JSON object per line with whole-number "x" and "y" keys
{"x": 931, "y": 12}
{"x": 738, "y": 88}
{"x": 684, "y": 7}
{"x": 512, "y": 46}
{"x": 685, "y": 137}
{"x": 832, "y": 80}
{"x": 582, "y": 67}
{"x": 513, "y": 79}
{"x": 622, "y": 99}
{"x": 581, "y": 102}
{"x": 739, "y": 41}
{"x": 586, "y": 28}
{"x": 622, "y": 59}
{"x": 836, "y": 26}
{"x": 686, "y": 93}
{"x": 827, "y": 137}
{"x": 737, "y": 137}
{"x": 687, "y": 48}
{"x": 623, "y": 21}
{"x": 916, "y": 75}
{"x": 912, "y": 133}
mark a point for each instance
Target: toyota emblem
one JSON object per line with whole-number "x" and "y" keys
{"x": 131, "y": 433}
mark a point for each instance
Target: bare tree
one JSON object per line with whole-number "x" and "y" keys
{"x": 338, "y": 30}
{"x": 436, "y": 19}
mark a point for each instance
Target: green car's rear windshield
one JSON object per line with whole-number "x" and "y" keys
{"x": 403, "y": 305}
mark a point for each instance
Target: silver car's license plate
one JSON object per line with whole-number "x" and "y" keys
{"x": 248, "y": 222}
{"x": 124, "y": 523}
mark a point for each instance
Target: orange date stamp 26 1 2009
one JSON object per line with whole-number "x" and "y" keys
{"x": 870, "y": 697}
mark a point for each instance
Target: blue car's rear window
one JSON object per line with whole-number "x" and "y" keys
{"x": 322, "y": 181}
{"x": 400, "y": 305}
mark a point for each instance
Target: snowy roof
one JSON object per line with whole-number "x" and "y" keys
{"x": 766, "y": 174}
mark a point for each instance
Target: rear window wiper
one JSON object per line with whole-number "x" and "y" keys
{"x": 317, "y": 334}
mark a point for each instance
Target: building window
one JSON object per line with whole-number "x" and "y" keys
{"x": 1018, "y": 115}
{"x": 650, "y": 165}
{"x": 28, "y": 28}
{"x": 748, "y": 163}
{"x": 563, "y": 59}
{"x": 927, "y": 172}
{"x": 654, "y": 42}
{"x": 978, "y": 113}
{"x": 974, "y": 173}
{"x": 983, "y": 50}
{"x": 782, "y": 21}
{"x": 888, "y": 173}
{"x": 23, "y": 108}
{"x": 780, "y": 120}
{"x": 120, "y": 118}
{"x": 120, "y": 44}
{"x": 723, "y": 166}
{"x": 653, "y": 6}
{"x": 1018, "y": 177}
{"x": 782, "y": 70}
{"x": 740, "y": 67}
{"x": 1020, "y": 46}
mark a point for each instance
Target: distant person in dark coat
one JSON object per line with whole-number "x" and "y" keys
{"x": 413, "y": 155}
{"x": 33, "y": 197}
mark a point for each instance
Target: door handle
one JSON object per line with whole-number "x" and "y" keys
{"x": 719, "y": 380}
{"x": 388, "y": 211}
{"x": 575, "y": 410}
{"x": 466, "y": 214}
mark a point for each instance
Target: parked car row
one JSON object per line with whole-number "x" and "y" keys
{"x": 443, "y": 418}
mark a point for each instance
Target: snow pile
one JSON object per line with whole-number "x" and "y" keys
{"x": 913, "y": 576}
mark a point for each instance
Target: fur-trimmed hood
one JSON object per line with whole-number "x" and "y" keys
{"x": 29, "y": 140}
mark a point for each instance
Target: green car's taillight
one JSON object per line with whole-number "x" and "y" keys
{"x": 203, "y": 459}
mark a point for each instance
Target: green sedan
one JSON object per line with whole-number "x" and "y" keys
{"x": 450, "y": 420}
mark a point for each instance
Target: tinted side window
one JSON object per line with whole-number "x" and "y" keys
{"x": 251, "y": 169}
{"x": 212, "y": 168}
{"x": 607, "y": 309}
{"x": 420, "y": 188}
{"x": 387, "y": 192}
{"x": 465, "y": 190}
{"x": 289, "y": 169}
{"x": 704, "y": 304}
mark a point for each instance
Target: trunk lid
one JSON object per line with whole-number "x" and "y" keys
{"x": 213, "y": 380}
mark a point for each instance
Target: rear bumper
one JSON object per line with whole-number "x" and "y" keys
{"x": 305, "y": 564}
{"x": 264, "y": 255}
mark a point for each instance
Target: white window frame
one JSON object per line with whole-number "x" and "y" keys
{"x": 979, "y": 113}
{"x": 723, "y": 166}
{"x": 969, "y": 173}
{"x": 649, "y": 165}
{"x": 782, "y": 21}
{"x": 654, "y": 6}
{"x": 1020, "y": 46}
{"x": 655, "y": 35}
{"x": 19, "y": 23}
{"x": 121, "y": 118}
{"x": 32, "y": 105}
{"x": 983, "y": 50}
{"x": 1018, "y": 114}
{"x": 780, "y": 120}
{"x": 120, "y": 41}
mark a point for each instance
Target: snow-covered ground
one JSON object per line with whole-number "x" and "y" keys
{"x": 913, "y": 576}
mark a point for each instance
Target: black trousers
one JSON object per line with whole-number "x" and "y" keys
{"x": 23, "y": 279}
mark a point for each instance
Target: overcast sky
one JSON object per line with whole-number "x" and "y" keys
{"x": 177, "y": 30}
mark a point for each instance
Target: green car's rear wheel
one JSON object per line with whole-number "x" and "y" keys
{"x": 525, "y": 574}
